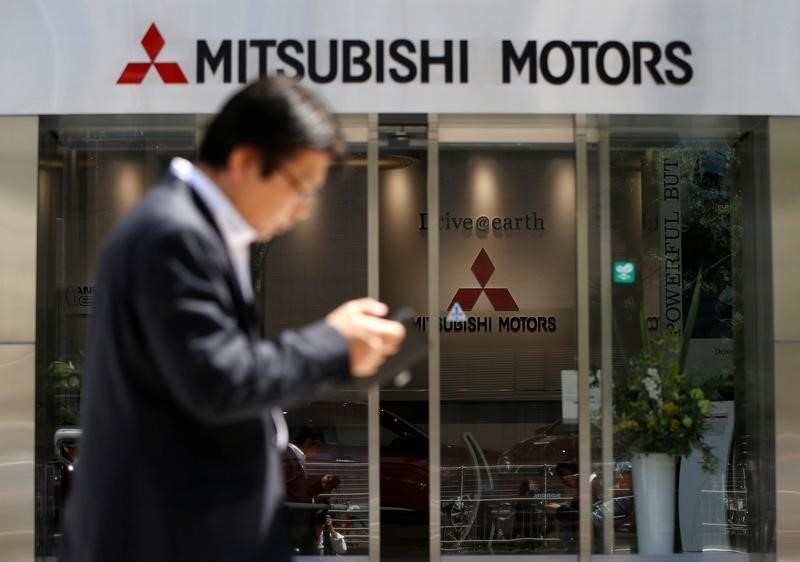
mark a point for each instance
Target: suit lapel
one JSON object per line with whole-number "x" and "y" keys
{"x": 248, "y": 315}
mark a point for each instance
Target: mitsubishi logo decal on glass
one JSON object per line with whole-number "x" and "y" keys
{"x": 135, "y": 72}
{"x": 500, "y": 297}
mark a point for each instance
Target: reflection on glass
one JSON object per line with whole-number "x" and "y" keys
{"x": 404, "y": 494}
{"x": 674, "y": 336}
{"x": 507, "y": 258}
{"x": 675, "y": 192}
{"x": 298, "y": 278}
{"x": 91, "y": 171}
{"x": 325, "y": 468}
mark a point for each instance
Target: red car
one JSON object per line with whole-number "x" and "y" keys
{"x": 331, "y": 467}
{"x": 487, "y": 499}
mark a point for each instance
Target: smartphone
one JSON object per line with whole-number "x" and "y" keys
{"x": 396, "y": 370}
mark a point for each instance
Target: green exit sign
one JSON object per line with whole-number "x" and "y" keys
{"x": 624, "y": 272}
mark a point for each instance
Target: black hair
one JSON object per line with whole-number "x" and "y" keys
{"x": 567, "y": 469}
{"x": 277, "y": 117}
{"x": 308, "y": 433}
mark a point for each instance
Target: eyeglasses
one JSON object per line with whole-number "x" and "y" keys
{"x": 306, "y": 194}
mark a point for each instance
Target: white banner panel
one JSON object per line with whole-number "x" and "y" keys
{"x": 486, "y": 56}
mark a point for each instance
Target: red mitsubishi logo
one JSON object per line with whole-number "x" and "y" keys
{"x": 500, "y": 298}
{"x": 135, "y": 72}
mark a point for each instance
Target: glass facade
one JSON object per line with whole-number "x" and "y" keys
{"x": 672, "y": 237}
{"x": 534, "y": 446}
{"x": 91, "y": 170}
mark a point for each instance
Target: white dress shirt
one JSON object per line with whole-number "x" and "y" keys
{"x": 237, "y": 234}
{"x": 337, "y": 542}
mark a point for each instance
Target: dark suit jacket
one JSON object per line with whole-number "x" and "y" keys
{"x": 177, "y": 458}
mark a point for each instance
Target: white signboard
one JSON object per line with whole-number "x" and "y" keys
{"x": 475, "y": 56}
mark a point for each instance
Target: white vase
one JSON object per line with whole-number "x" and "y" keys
{"x": 654, "y": 494}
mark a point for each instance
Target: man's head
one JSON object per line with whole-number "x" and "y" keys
{"x": 310, "y": 440}
{"x": 568, "y": 472}
{"x": 269, "y": 149}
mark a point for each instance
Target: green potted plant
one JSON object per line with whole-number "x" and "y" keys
{"x": 65, "y": 383}
{"x": 660, "y": 414}
{"x": 65, "y": 375}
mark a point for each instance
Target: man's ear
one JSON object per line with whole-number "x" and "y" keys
{"x": 243, "y": 163}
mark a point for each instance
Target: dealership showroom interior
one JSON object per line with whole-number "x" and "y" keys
{"x": 590, "y": 207}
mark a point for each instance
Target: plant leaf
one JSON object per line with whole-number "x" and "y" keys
{"x": 690, "y": 319}
{"x": 643, "y": 330}
{"x": 620, "y": 342}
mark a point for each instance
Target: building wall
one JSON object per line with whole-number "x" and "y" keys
{"x": 18, "y": 165}
{"x": 784, "y": 139}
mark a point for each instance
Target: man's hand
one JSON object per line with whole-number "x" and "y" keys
{"x": 370, "y": 337}
{"x": 552, "y": 507}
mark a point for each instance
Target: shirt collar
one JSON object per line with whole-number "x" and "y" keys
{"x": 235, "y": 230}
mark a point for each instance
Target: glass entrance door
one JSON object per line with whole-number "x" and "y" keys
{"x": 507, "y": 291}
{"x": 555, "y": 247}
{"x": 483, "y": 210}
{"x": 674, "y": 207}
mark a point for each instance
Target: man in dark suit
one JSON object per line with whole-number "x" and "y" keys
{"x": 181, "y": 403}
